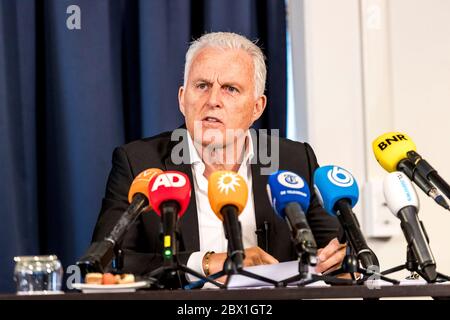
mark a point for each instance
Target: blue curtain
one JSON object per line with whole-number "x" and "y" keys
{"x": 68, "y": 97}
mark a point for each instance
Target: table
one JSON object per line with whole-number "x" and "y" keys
{"x": 441, "y": 291}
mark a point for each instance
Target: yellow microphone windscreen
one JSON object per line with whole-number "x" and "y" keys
{"x": 140, "y": 184}
{"x": 390, "y": 148}
{"x": 226, "y": 188}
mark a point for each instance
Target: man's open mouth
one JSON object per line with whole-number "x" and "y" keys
{"x": 212, "y": 119}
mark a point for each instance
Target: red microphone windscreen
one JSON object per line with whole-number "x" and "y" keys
{"x": 169, "y": 186}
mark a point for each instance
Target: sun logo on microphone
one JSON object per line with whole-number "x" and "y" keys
{"x": 228, "y": 181}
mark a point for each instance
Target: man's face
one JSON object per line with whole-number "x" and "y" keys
{"x": 220, "y": 95}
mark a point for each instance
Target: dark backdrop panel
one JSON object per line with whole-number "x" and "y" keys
{"x": 68, "y": 97}
{"x": 18, "y": 161}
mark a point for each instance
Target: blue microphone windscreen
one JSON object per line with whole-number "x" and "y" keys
{"x": 334, "y": 183}
{"x": 285, "y": 187}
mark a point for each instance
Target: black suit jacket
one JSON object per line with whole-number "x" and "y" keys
{"x": 142, "y": 246}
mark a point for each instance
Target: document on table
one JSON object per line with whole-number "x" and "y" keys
{"x": 277, "y": 272}
{"x": 284, "y": 270}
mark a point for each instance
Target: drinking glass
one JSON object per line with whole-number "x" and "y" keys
{"x": 38, "y": 274}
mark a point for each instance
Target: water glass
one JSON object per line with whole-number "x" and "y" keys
{"x": 38, "y": 275}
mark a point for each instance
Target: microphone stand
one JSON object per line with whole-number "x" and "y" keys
{"x": 233, "y": 264}
{"x": 412, "y": 265}
{"x": 351, "y": 265}
{"x": 231, "y": 268}
{"x": 305, "y": 277}
{"x": 100, "y": 253}
{"x": 306, "y": 247}
{"x": 168, "y": 275}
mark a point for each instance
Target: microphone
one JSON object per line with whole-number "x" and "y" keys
{"x": 395, "y": 151}
{"x": 402, "y": 200}
{"x": 100, "y": 253}
{"x": 169, "y": 194}
{"x": 290, "y": 198}
{"x": 408, "y": 168}
{"x": 227, "y": 194}
{"x": 338, "y": 191}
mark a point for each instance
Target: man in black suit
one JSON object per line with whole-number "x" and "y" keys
{"x": 223, "y": 92}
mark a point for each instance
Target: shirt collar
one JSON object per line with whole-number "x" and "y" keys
{"x": 196, "y": 159}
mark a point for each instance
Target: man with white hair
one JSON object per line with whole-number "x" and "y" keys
{"x": 223, "y": 92}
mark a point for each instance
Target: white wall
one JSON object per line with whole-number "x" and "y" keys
{"x": 331, "y": 68}
{"x": 365, "y": 67}
{"x": 420, "y": 57}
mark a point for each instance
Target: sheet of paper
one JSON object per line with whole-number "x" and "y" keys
{"x": 403, "y": 282}
{"x": 284, "y": 270}
{"x": 277, "y": 272}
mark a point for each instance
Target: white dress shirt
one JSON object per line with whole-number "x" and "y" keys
{"x": 211, "y": 232}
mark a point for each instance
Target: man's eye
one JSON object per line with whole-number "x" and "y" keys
{"x": 232, "y": 89}
{"x": 202, "y": 86}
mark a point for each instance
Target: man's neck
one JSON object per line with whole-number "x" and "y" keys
{"x": 228, "y": 157}
{"x": 209, "y": 169}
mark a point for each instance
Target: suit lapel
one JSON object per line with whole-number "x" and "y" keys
{"x": 263, "y": 210}
{"x": 188, "y": 223}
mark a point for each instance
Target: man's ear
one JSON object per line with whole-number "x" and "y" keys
{"x": 181, "y": 100}
{"x": 259, "y": 107}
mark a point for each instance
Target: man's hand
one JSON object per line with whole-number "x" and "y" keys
{"x": 253, "y": 256}
{"x": 330, "y": 258}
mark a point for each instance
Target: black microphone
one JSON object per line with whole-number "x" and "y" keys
{"x": 338, "y": 191}
{"x": 408, "y": 168}
{"x": 429, "y": 172}
{"x": 233, "y": 233}
{"x": 402, "y": 200}
{"x": 169, "y": 195}
{"x": 100, "y": 253}
{"x": 227, "y": 194}
{"x": 290, "y": 198}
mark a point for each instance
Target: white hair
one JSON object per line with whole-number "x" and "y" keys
{"x": 229, "y": 40}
